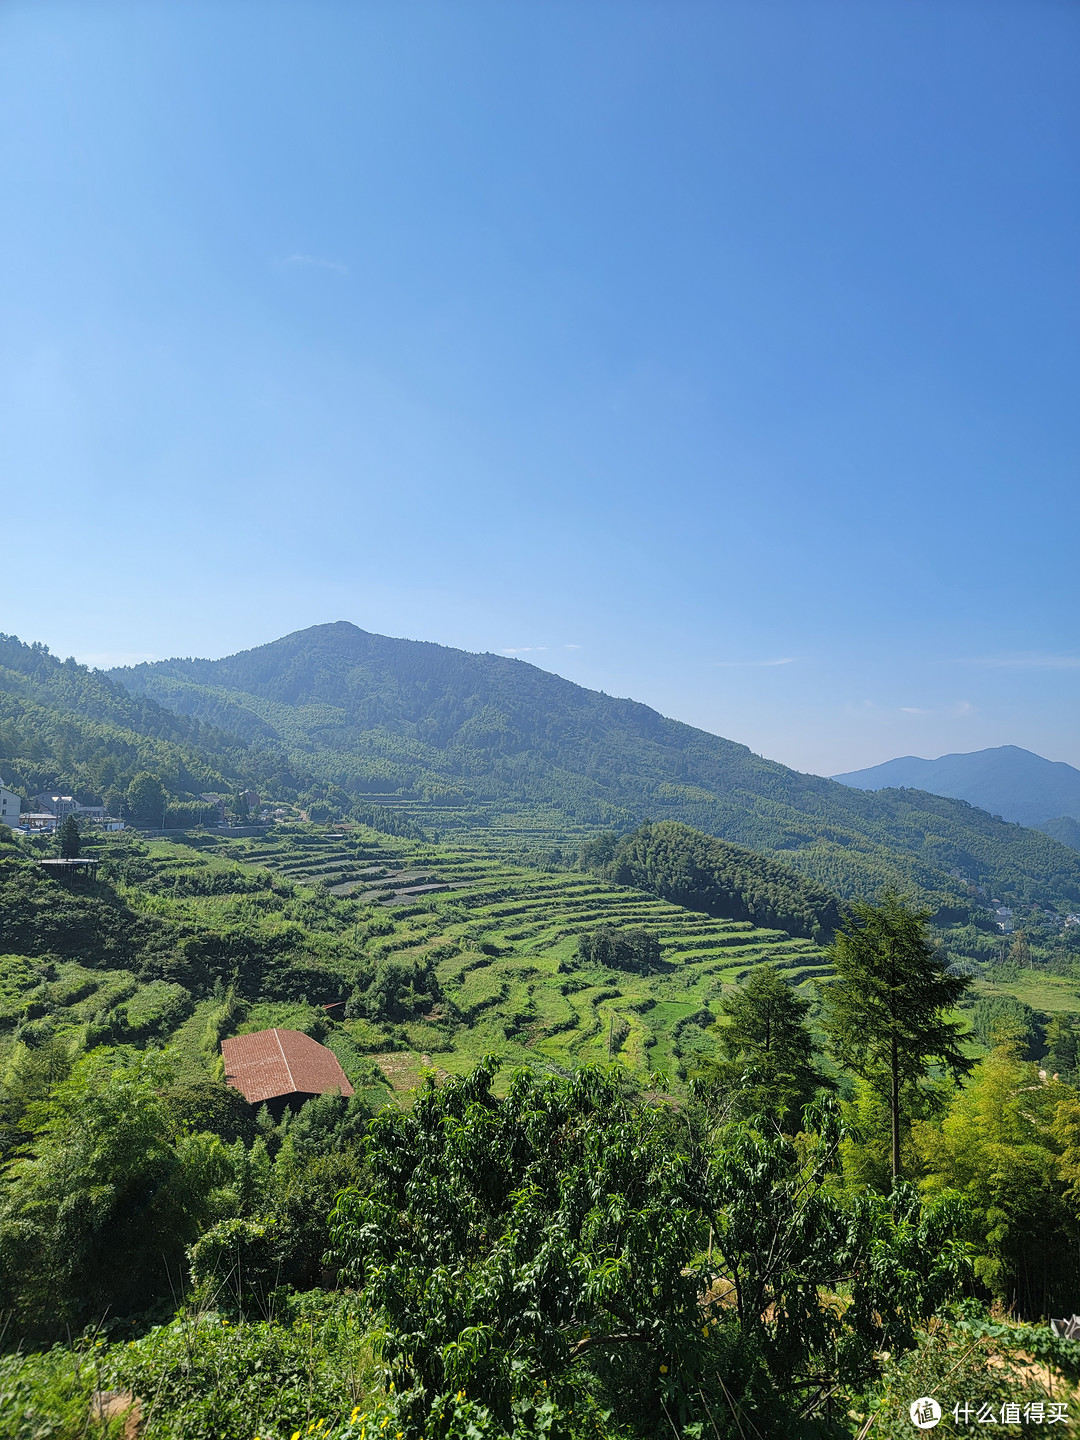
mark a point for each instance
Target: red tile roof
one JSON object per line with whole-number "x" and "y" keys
{"x": 272, "y": 1063}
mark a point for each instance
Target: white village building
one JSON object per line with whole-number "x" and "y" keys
{"x": 10, "y": 806}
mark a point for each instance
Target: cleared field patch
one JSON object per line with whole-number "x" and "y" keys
{"x": 1051, "y": 993}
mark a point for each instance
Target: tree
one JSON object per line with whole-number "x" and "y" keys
{"x": 632, "y": 949}
{"x": 115, "y": 802}
{"x": 95, "y": 1219}
{"x": 207, "y": 1106}
{"x": 1063, "y": 1040}
{"x": 1002, "y": 1019}
{"x": 543, "y": 1258}
{"x": 400, "y": 991}
{"x": 146, "y": 799}
{"x": 1020, "y": 950}
{"x": 884, "y": 1012}
{"x": 1007, "y": 1142}
{"x": 767, "y": 1049}
{"x": 33, "y": 1071}
{"x": 69, "y": 838}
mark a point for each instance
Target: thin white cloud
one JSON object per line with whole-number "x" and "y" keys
{"x": 752, "y": 664}
{"x": 1025, "y": 660}
{"x": 571, "y": 647}
{"x": 318, "y": 262}
{"x": 956, "y": 711}
{"x": 523, "y": 650}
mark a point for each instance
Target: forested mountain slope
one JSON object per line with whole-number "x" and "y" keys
{"x": 703, "y": 873}
{"x": 62, "y": 724}
{"x": 440, "y": 726}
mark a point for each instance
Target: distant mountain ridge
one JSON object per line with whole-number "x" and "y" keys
{"x": 375, "y": 715}
{"x": 1006, "y": 780}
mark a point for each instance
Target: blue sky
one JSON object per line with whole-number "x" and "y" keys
{"x": 722, "y": 355}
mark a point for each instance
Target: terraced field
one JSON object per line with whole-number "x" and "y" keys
{"x": 502, "y": 940}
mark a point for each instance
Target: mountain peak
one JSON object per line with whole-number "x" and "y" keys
{"x": 1007, "y": 780}
{"x": 484, "y": 740}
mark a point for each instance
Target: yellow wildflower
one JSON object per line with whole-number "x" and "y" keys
{"x": 663, "y": 1369}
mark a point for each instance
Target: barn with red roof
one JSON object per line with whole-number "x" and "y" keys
{"x": 281, "y": 1069}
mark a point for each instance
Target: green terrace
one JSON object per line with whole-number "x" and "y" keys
{"x": 502, "y": 940}
{"x": 398, "y": 954}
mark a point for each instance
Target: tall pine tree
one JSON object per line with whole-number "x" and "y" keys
{"x": 884, "y": 1012}
{"x": 69, "y": 838}
{"x": 768, "y": 1052}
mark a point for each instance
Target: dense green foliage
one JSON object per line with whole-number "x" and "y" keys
{"x": 64, "y": 725}
{"x": 105, "y": 1178}
{"x": 545, "y": 1255}
{"x": 766, "y": 1065}
{"x": 206, "y": 1379}
{"x": 621, "y": 949}
{"x": 1008, "y": 1142}
{"x": 1065, "y": 829}
{"x": 704, "y": 873}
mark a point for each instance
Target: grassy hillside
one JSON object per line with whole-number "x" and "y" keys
{"x": 462, "y": 741}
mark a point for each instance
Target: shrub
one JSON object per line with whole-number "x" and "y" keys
{"x": 47, "y": 1395}
{"x": 105, "y": 1178}
{"x": 202, "y": 1378}
{"x": 636, "y": 950}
